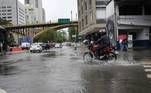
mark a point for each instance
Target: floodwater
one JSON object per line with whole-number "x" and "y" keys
{"x": 62, "y": 70}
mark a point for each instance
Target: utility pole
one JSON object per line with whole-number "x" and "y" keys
{"x": 71, "y": 15}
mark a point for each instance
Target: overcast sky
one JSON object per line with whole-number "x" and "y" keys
{"x": 59, "y": 9}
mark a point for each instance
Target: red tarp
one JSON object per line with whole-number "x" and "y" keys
{"x": 122, "y": 37}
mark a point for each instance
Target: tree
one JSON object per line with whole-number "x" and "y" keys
{"x": 72, "y": 31}
{"x": 50, "y": 35}
{"x": 5, "y": 22}
{"x": 11, "y": 40}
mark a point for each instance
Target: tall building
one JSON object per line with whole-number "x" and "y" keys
{"x": 30, "y": 14}
{"x": 92, "y": 15}
{"x": 37, "y": 10}
{"x": 13, "y": 11}
{"x": 44, "y": 15}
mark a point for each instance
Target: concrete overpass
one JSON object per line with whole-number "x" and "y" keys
{"x": 37, "y": 29}
{"x": 25, "y": 29}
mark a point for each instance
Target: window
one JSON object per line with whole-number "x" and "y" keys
{"x": 9, "y": 7}
{"x": 26, "y": 1}
{"x": 9, "y": 13}
{"x": 86, "y": 20}
{"x": 9, "y": 10}
{"x": 90, "y": 4}
{"x": 4, "y": 17}
{"x": 9, "y": 17}
{"x": 3, "y": 6}
{"x": 36, "y": 2}
{"x": 3, "y": 10}
{"x": 4, "y": 14}
{"x": 85, "y": 4}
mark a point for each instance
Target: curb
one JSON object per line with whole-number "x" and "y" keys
{"x": 15, "y": 52}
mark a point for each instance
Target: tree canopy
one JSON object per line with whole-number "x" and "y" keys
{"x": 5, "y": 22}
{"x": 51, "y": 35}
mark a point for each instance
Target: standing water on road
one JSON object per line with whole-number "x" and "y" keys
{"x": 63, "y": 71}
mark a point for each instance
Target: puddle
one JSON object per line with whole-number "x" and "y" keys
{"x": 50, "y": 54}
{"x": 8, "y": 70}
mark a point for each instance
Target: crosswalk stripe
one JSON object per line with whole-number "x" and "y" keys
{"x": 147, "y": 70}
{"x": 146, "y": 63}
{"x": 147, "y": 66}
{"x": 148, "y": 75}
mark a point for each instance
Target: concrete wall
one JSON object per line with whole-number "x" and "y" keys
{"x": 143, "y": 35}
{"x": 110, "y": 9}
{"x": 100, "y": 13}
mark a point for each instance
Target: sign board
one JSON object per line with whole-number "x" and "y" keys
{"x": 130, "y": 41}
{"x": 73, "y": 35}
{"x": 64, "y": 21}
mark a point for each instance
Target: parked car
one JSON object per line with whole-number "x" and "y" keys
{"x": 35, "y": 48}
{"x": 58, "y": 45}
{"x": 25, "y": 45}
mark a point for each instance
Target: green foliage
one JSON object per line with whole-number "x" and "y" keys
{"x": 72, "y": 31}
{"x": 11, "y": 40}
{"x": 50, "y": 35}
{"x": 5, "y": 22}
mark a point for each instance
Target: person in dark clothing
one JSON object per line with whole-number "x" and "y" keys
{"x": 124, "y": 45}
{"x": 103, "y": 42}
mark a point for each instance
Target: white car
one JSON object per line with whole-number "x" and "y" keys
{"x": 57, "y": 45}
{"x": 35, "y": 48}
{"x": 25, "y": 45}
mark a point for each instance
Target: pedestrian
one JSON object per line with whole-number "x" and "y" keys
{"x": 124, "y": 45}
{"x": 118, "y": 46}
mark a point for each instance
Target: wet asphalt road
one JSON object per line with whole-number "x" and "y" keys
{"x": 63, "y": 71}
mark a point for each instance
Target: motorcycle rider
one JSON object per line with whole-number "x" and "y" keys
{"x": 103, "y": 42}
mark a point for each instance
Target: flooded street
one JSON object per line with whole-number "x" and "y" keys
{"x": 62, "y": 70}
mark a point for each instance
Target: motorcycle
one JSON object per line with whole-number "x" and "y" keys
{"x": 108, "y": 53}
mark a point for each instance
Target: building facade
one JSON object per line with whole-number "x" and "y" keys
{"x": 34, "y": 11}
{"x": 13, "y": 11}
{"x": 92, "y": 15}
{"x": 43, "y": 15}
{"x": 131, "y": 18}
{"x": 3, "y": 40}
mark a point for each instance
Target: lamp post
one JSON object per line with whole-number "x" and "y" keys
{"x": 71, "y": 15}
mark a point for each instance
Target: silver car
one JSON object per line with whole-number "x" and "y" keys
{"x": 35, "y": 48}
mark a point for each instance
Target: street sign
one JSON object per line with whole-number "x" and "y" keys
{"x": 73, "y": 35}
{"x": 64, "y": 21}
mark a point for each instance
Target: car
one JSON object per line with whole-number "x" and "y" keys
{"x": 25, "y": 45}
{"x": 35, "y": 48}
{"x": 58, "y": 45}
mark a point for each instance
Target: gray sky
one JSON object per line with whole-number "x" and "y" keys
{"x": 59, "y": 9}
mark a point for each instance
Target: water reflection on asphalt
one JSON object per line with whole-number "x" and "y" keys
{"x": 63, "y": 71}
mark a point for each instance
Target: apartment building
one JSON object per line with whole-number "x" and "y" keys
{"x": 34, "y": 11}
{"x": 13, "y": 11}
{"x": 92, "y": 15}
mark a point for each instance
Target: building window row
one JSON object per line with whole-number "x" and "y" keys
{"x": 4, "y": 7}
{"x": 5, "y": 10}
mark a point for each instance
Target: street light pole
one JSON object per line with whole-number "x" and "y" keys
{"x": 71, "y": 15}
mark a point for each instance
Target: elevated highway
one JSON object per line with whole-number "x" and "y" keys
{"x": 38, "y": 28}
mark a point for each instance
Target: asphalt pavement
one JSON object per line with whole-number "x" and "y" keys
{"x": 62, "y": 70}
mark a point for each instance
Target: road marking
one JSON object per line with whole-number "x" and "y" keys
{"x": 147, "y": 66}
{"x": 147, "y": 70}
{"x": 2, "y": 91}
{"x": 149, "y": 76}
